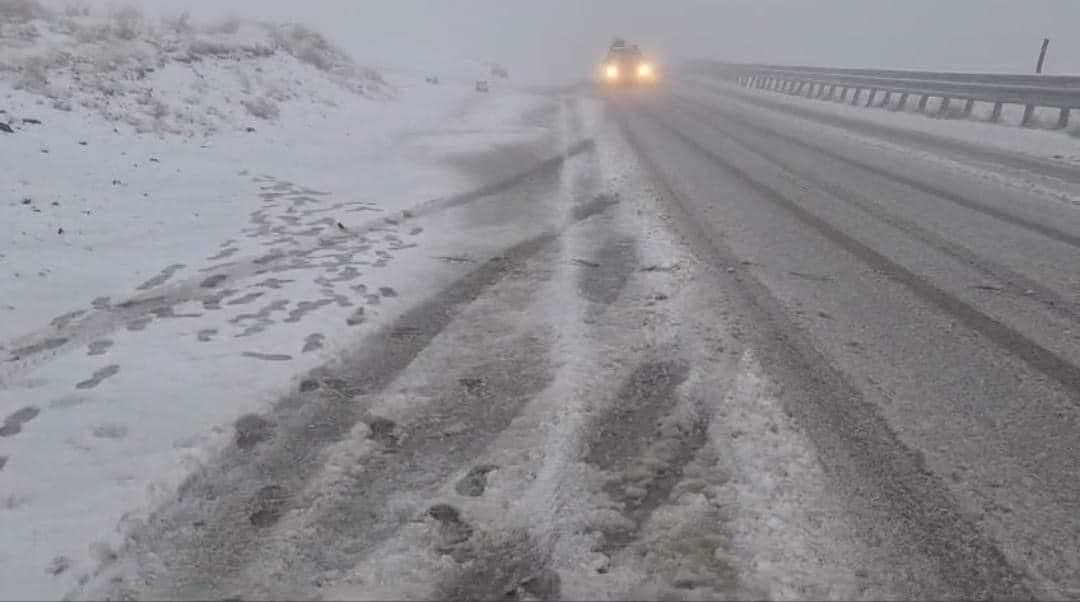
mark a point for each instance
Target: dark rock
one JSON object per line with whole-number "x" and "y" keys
{"x": 6, "y": 128}
{"x": 32, "y": 121}
{"x": 250, "y": 130}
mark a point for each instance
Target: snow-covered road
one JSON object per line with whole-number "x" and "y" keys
{"x": 317, "y": 332}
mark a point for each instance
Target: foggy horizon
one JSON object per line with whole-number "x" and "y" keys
{"x": 560, "y": 40}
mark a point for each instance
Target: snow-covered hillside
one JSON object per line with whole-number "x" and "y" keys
{"x": 191, "y": 217}
{"x": 173, "y": 77}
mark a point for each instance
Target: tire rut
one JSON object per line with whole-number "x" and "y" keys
{"x": 209, "y": 528}
{"x": 895, "y": 499}
{"x": 644, "y": 445}
{"x": 1019, "y": 284}
{"x": 205, "y": 543}
{"x": 962, "y": 201}
{"x": 1035, "y": 355}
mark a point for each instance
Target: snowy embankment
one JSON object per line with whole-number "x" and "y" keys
{"x": 190, "y": 218}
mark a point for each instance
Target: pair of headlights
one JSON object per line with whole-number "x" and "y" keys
{"x": 644, "y": 70}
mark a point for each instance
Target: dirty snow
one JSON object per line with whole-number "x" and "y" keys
{"x": 195, "y": 217}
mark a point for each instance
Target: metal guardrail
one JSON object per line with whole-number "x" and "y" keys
{"x": 1031, "y": 91}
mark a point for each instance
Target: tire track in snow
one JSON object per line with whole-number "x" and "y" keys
{"x": 915, "y": 514}
{"x": 213, "y": 557}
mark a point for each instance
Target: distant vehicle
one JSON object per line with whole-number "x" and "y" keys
{"x": 482, "y": 85}
{"x": 627, "y": 65}
{"x": 500, "y": 72}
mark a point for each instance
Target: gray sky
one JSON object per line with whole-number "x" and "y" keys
{"x": 551, "y": 40}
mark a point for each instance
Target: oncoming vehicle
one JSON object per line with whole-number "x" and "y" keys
{"x": 626, "y": 65}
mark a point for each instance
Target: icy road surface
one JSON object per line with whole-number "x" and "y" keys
{"x": 685, "y": 344}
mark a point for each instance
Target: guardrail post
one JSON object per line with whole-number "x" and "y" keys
{"x": 996, "y": 114}
{"x": 1063, "y": 118}
{"x": 944, "y": 108}
{"x": 888, "y": 97}
{"x": 855, "y": 97}
{"x": 922, "y": 102}
{"x": 1029, "y": 114}
{"x": 843, "y": 94}
{"x": 969, "y": 106}
{"x": 870, "y": 100}
{"x": 903, "y": 101}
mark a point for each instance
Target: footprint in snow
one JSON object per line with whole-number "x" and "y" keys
{"x": 452, "y": 528}
{"x": 161, "y": 278}
{"x": 99, "y": 347}
{"x": 110, "y": 430}
{"x": 213, "y": 281}
{"x": 267, "y": 506}
{"x": 13, "y": 423}
{"x": 474, "y": 483}
{"x": 313, "y": 342}
{"x": 140, "y": 324}
{"x": 99, "y": 376}
{"x": 69, "y": 401}
{"x": 248, "y": 298}
{"x": 356, "y": 318}
{"x": 46, "y": 345}
{"x": 268, "y": 357}
{"x": 251, "y": 430}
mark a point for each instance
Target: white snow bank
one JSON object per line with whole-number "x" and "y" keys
{"x": 106, "y": 198}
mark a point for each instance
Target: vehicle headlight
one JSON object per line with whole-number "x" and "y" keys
{"x": 611, "y": 71}
{"x": 645, "y": 70}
